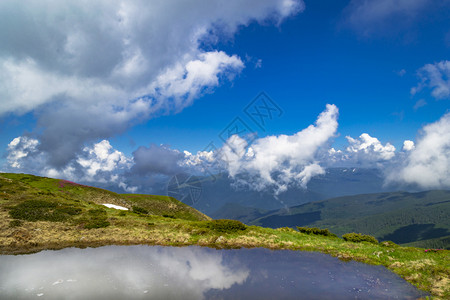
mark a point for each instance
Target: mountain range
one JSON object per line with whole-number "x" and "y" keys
{"x": 416, "y": 219}
{"x": 220, "y": 191}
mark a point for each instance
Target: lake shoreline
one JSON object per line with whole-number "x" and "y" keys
{"x": 206, "y": 272}
{"x": 427, "y": 271}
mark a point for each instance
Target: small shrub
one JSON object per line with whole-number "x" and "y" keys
{"x": 316, "y": 231}
{"x": 72, "y": 211}
{"x": 96, "y": 223}
{"x": 358, "y": 238}
{"x": 96, "y": 218}
{"x": 140, "y": 210}
{"x": 226, "y": 226}
{"x": 40, "y": 210}
{"x": 15, "y": 223}
{"x": 33, "y": 210}
{"x": 169, "y": 216}
{"x": 122, "y": 213}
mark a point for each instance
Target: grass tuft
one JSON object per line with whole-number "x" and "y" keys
{"x": 96, "y": 218}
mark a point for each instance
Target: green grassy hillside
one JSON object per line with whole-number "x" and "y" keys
{"x": 32, "y": 191}
{"x": 41, "y": 213}
{"x": 421, "y": 218}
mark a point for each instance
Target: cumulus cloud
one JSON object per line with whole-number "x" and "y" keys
{"x": 435, "y": 77}
{"x": 203, "y": 162}
{"x": 408, "y": 145}
{"x": 102, "y": 158}
{"x": 184, "y": 83}
{"x": 368, "y": 148}
{"x": 99, "y": 163}
{"x": 368, "y": 17}
{"x": 278, "y": 161}
{"x": 19, "y": 149}
{"x": 428, "y": 163}
{"x": 90, "y": 70}
{"x": 365, "y": 151}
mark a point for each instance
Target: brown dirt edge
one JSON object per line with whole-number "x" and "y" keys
{"x": 30, "y": 249}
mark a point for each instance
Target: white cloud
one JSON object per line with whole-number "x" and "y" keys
{"x": 369, "y": 148}
{"x": 365, "y": 151}
{"x": 127, "y": 188}
{"x": 102, "y": 158}
{"x": 408, "y": 145}
{"x": 309, "y": 172}
{"x": 278, "y": 161}
{"x": 435, "y": 77}
{"x": 116, "y": 49}
{"x": 90, "y": 70}
{"x": 19, "y": 148}
{"x": 428, "y": 164}
{"x": 202, "y": 159}
{"x": 99, "y": 163}
{"x": 184, "y": 83}
{"x": 114, "y": 272}
{"x": 25, "y": 86}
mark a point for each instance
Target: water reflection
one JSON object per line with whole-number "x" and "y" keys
{"x": 144, "y": 272}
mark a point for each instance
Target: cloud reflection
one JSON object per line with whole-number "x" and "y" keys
{"x": 116, "y": 272}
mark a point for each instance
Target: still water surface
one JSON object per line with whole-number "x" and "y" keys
{"x": 151, "y": 272}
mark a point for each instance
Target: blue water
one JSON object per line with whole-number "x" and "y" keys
{"x": 150, "y": 272}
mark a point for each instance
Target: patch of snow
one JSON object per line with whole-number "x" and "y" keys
{"x": 115, "y": 206}
{"x": 40, "y": 294}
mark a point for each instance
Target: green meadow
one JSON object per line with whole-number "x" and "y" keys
{"x": 40, "y": 213}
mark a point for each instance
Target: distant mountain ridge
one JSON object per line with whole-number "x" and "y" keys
{"x": 336, "y": 182}
{"x": 421, "y": 218}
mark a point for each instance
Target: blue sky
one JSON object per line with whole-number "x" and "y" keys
{"x": 307, "y": 61}
{"x": 383, "y": 64}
